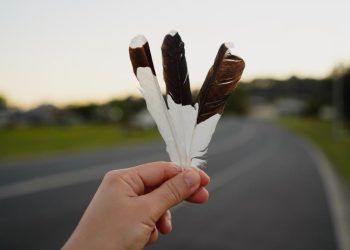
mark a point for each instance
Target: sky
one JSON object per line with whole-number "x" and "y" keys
{"x": 77, "y": 51}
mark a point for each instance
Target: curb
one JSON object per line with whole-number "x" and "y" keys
{"x": 337, "y": 194}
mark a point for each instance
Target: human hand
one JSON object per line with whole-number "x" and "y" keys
{"x": 132, "y": 205}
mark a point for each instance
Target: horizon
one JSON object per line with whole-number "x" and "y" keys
{"x": 65, "y": 52}
{"x": 138, "y": 95}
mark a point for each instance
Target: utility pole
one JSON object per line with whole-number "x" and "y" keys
{"x": 337, "y": 103}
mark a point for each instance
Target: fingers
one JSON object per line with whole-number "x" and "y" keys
{"x": 173, "y": 191}
{"x": 164, "y": 223}
{"x": 155, "y": 173}
{"x": 205, "y": 179}
{"x": 153, "y": 237}
{"x": 200, "y": 196}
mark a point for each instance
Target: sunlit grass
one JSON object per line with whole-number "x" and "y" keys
{"x": 337, "y": 148}
{"x": 29, "y": 141}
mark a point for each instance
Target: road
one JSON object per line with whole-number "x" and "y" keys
{"x": 266, "y": 193}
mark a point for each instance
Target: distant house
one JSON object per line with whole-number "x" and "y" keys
{"x": 9, "y": 116}
{"x": 43, "y": 114}
{"x": 143, "y": 120}
{"x": 290, "y": 106}
{"x": 262, "y": 108}
{"x": 4, "y": 117}
{"x": 49, "y": 115}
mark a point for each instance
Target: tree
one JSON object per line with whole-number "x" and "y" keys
{"x": 238, "y": 102}
{"x": 3, "y": 103}
{"x": 346, "y": 93}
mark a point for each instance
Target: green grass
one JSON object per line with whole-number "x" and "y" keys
{"x": 29, "y": 141}
{"x": 320, "y": 132}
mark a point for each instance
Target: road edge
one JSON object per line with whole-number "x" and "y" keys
{"x": 337, "y": 193}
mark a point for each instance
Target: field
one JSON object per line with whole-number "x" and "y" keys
{"x": 336, "y": 146}
{"x": 30, "y": 141}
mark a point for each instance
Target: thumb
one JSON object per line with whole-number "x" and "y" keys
{"x": 173, "y": 191}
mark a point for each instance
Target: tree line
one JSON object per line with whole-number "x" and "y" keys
{"x": 315, "y": 93}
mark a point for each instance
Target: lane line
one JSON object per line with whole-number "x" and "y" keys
{"x": 240, "y": 168}
{"x": 247, "y": 133}
{"x": 96, "y": 172}
{"x": 65, "y": 179}
{"x": 243, "y": 166}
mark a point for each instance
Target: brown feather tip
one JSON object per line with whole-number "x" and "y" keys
{"x": 140, "y": 54}
{"x": 220, "y": 82}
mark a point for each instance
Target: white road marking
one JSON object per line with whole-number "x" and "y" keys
{"x": 63, "y": 179}
{"x": 93, "y": 173}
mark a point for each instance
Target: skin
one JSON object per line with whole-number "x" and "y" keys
{"x": 132, "y": 205}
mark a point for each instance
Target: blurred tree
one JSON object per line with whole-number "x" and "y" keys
{"x": 128, "y": 107}
{"x": 85, "y": 112}
{"x": 313, "y": 106}
{"x": 346, "y": 93}
{"x": 238, "y": 102}
{"x": 3, "y": 103}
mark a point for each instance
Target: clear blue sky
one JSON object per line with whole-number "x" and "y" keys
{"x": 75, "y": 51}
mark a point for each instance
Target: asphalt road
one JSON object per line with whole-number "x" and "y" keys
{"x": 266, "y": 193}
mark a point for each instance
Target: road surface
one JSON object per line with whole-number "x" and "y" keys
{"x": 266, "y": 193}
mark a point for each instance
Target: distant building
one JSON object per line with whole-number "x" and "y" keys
{"x": 9, "y": 116}
{"x": 290, "y": 106}
{"x": 43, "y": 114}
{"x": 4, "y": 117}
{"x": 262, "y": 108}
{"x": 326, "y": 113}
{"x": 143, "y": 120}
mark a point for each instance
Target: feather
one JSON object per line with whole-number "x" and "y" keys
{"x": 186, "y": 128}
{"x": 141, "y": 59}
{"x": 220, "y": 82}
{"x": 178, "y": 92}
{"x": 175, "y": 71}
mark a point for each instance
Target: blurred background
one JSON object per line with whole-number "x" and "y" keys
{"x": 70, "y": 111}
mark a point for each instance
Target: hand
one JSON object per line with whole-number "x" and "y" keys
{"x": 132, "y": 205}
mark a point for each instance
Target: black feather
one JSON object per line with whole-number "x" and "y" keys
{"x": 175, "y": 70}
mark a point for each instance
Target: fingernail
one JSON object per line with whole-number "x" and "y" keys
{"x": 169, "y": 223}
{"x": 192, "y": 178}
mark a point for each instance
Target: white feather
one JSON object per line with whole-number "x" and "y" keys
{"x": 158, "y": 110}
{"x": 202, "y": 135}
{"x": 186, "y": 142}
{"x": 184, "y": 120}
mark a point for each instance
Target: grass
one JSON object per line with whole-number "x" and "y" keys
{"x": 320, "y": 132}
{"x": 30, "y": 141}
